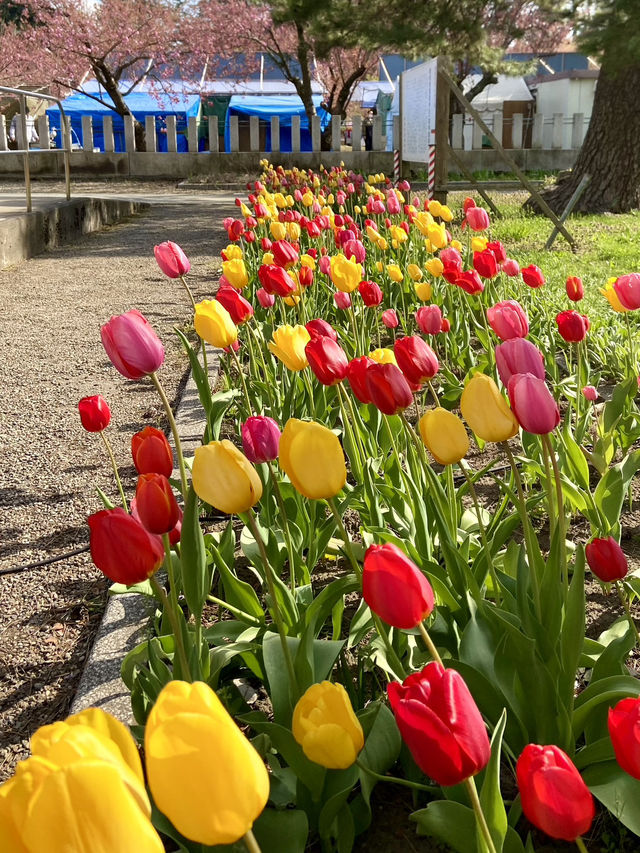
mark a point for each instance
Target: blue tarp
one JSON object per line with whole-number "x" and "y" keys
{"x": 140, "y": 103}
{"x": 285, "y": 106}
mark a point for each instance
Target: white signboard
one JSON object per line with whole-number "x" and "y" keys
{"x": 418, "y": 111}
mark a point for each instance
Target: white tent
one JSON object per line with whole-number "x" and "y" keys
{"x": 494, "y": 95}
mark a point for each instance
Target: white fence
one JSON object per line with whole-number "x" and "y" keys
{"x": 557, "y": 132}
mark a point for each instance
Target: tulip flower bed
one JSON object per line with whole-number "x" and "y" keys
{"x": 378, "y": 619}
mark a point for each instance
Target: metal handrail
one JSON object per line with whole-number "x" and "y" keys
{"x": 23, "y": 94}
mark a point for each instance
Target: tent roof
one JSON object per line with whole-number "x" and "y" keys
{"x": 506, "y": 89}
{"x": 261, "y": 105}
{"x": 367, "y": 91}
{"x": 138, "y": 101}
{"x": 254, "y": 87}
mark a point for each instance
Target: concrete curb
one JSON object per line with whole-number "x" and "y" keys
{"x": 125, "y": 621}
{"x": 24, "y": 235}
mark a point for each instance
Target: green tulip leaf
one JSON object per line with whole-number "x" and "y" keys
{"x": 196, "y": 579}
{"x": 283, "y": 830}
{"x": 490, "y": 795}
{"x": 617, "y": 791}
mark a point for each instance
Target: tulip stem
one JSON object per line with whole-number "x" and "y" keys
{"x": 345, "y": 538}
{"x": 431, "y": 646}
{"x": 430, "y": 789}
{"x": 581, "y": 845}
{"x": 114, "y": 465}
{"x": 578, "y": 386}
{"x": 205, "y": 363}
{"x": 528, "y": 531}
{"x": 189, "y": 293}
{"x": 309, "y": 386}
{"x": 561, "y": 517}
{"x": 277, "y": 615}
{"x": 433, "y": 394}
{"x": 624, "y": 600}
{"x": 250, "y": 842}
{"x": 483, "y": 532}
{"x": 357, "y": 457}
{"x": 244, "y": 617}
{"x": 490, "y": 353}
{"x": 285, "y": 526}
{"x": 477, "y": 807}
{"x": 179, "y": 645}
{"x": 174, "y": 431}
{"x": 632, "y": 356}
{"x": 242, "y": 379}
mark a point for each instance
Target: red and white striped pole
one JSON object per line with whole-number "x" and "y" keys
{"x": 396, "y": 166}
{"x": 432, "y": 170}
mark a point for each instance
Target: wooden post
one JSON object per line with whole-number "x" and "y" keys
{"x": 315, "y": 133}
{"x": 172, "y": 136}
{"x": 498, "y": 123}
{"x": 356, "y": 133}
{"x": 577, "y": 130}
{"x": 66, "y": 133}
{"x": 254, "y": 133}
{"x": 442, "y": 134}
{"x": 107, "y": 134}
{"x": 42, "y": 124}
{"x": 457, "y": 138}
{"x": 192, "y": 134}
{"x": 150, "y": 134}
{"x": 476, "y": 136}
{"x": 129, "y": 135}
{"x": 537, "y": 134}
{"x": 275, "y": 133}
{"x": 516, "y": 131}
{"x": 584, "y": 181}
{"x": 557, "y": 136}
{"x": 336, "y": 133}
{"x": 87, "y": 133}
{"x": 234, "y": 134}
{"x": 214, "y": 142}
{"x": 295, "y": 134}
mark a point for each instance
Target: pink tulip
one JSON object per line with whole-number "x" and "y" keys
{"x": 532, "y": 403}
{"x": 342, "y": 300}
{"x": 518, "y": 355}
{"x": 627, "y": 289}
{"x": 260, "y": 439}
{"x": 590, "y": 393}
{"x": 354, "y": 250}
{"x": 510, "y": 267}
{"x": 429, "y": 319}
{"x": 508, "y": 320}
{"x": 132, "y": 345}
{"x": 324, "y": 264}
{"x": 477, "y": 219}
{"x": 390, "y": 318}
{"x": 267, "y": 300}
{"x": 171, "y": 259}
{"x": 393, "y": 205}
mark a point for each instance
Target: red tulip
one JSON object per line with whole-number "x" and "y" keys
{"x": 477, "y": 219}
{"x": 573, "y": 327}
{"x": 156, "y": 503}
{"x": 470, "y": 281}
{"x": 284, "y": 254}
{"x": 151, "y": 452}
{"x": 354, "y": 250}
{"x": 342, "y": 300}
{"x": 121, "y": 548}
{"x": 467, "y": 203}
{"x": 175, "y": 532}
{"x": 429, "y": 319}
{"x": 305, "y": 276}
{"x": 390, "y": 319}
{"x": 267, "y": 300}
{"x": 235, "y": 230}
{"x": 498, "y": 250}
{"x": 260, "y": 439}
{"x": 451, "y": 257}
{"x": 532, "y": 404}
{"x": 485, "y": 264}
{"x": 624, "y": 731}
{"x": 319, "y": 328}
{"x": 327, "y": 359}
{"x": 95, "y": 414}
{"x": 532, "y": 275}
{"x": 575, "y": 288}
{"x": 416, "y": 359}
{"x": 388, "y": 388}
{"x": 132, "y": 345}
{"x": 357, "y": 376}
{"x": 395, "y": 588}
{"x": 553, "y": 794}
{"x": 508, "y": 320}
{"x": 235, "y": 303}
{"x": 371, "y": 293}
{"x": 590, "y": 393}
{"x": 606, "y": 559}
{"x": 627, "y": 289}
{"x": 171, "y": 259}
{"x": 446, "y": 325}
{"x": 510, "y": 267}
{"x": 276, "y": 280}
{"x": 518, "y": 355}
{"x": 266, "y": 244}
{"x": 441, "y": 724}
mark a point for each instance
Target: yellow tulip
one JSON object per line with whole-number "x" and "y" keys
{"x": 345, "y": 274}
{"x": 479, "y": 244}
{"x": 307, "y": 199}
{"x": 236, "y": 273}
{"x": 280, "y": 200}
{"x": 612, "y": 297}
{"x": 246, "y": 211}
{"x": 278, "y": 230}
{"x": 382, "y": 244}
{"x": 456, "y": 244}
{"x": 415, "y": 272}
{"x": 204, "y": 774}
{"x": 311, "y": 456}
{"x": 444, "y": 435}
{"x": 330, "y": 199}
{"x": 430, "y": 249}
{"x": 357, "y": 209}
{"x": 288, "y": 343}
{"x": 398, "y": 234}
{"x": 326, "y": 727}
{"x": 379, "y": 266}
{"x": 423, "y": 290}
{"x": 214, "y": 324}
{"x": 383, "y": 356}
{"x": 224, "y": 477}
{"x": 394, "y": 272}
{"x": 308, "y": 261}
{"x": 293, "y": 231}
{"x": 422, "y": 222}
{"x": 232, "y": 251}
{"x": 267, "y": 258}
{"x": 445, "y": 213}
{"x": 486, "y": 411}
{"x": 437, "y": 236}
{"x": 435, "y": 208}
{"x": 434, "y": 267}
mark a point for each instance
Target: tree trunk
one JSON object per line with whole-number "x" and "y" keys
{"x": 610, "y": 153}
{"x": 104, "y": 76}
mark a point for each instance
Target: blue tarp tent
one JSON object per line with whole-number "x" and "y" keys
{"x": 285, "y": 106}
{"x": 140, "y": 103}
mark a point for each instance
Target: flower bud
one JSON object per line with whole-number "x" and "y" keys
{"x": 132, "y": 345}
{"x": 532, "y": 403}
{"x": 121, "y": 547}
{"x": 395, "y": 588}
{"x": 312, "y": 458}
{"x": 156, "y": 504}
{"x": 326, "y": 727}
{"x": 95, "y": 413}
{"x": 606, "y": 559}
{"x": 444, "y": 435}
{"x": 224, "y": 478}
{"x": 260, "y": 439}
{"x": 152, "y": 452}
{"x": 171, "y": 259}
{"x": 486, "y": 411}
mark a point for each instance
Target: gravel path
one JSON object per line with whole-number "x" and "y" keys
{"x": 50, "y": 357}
